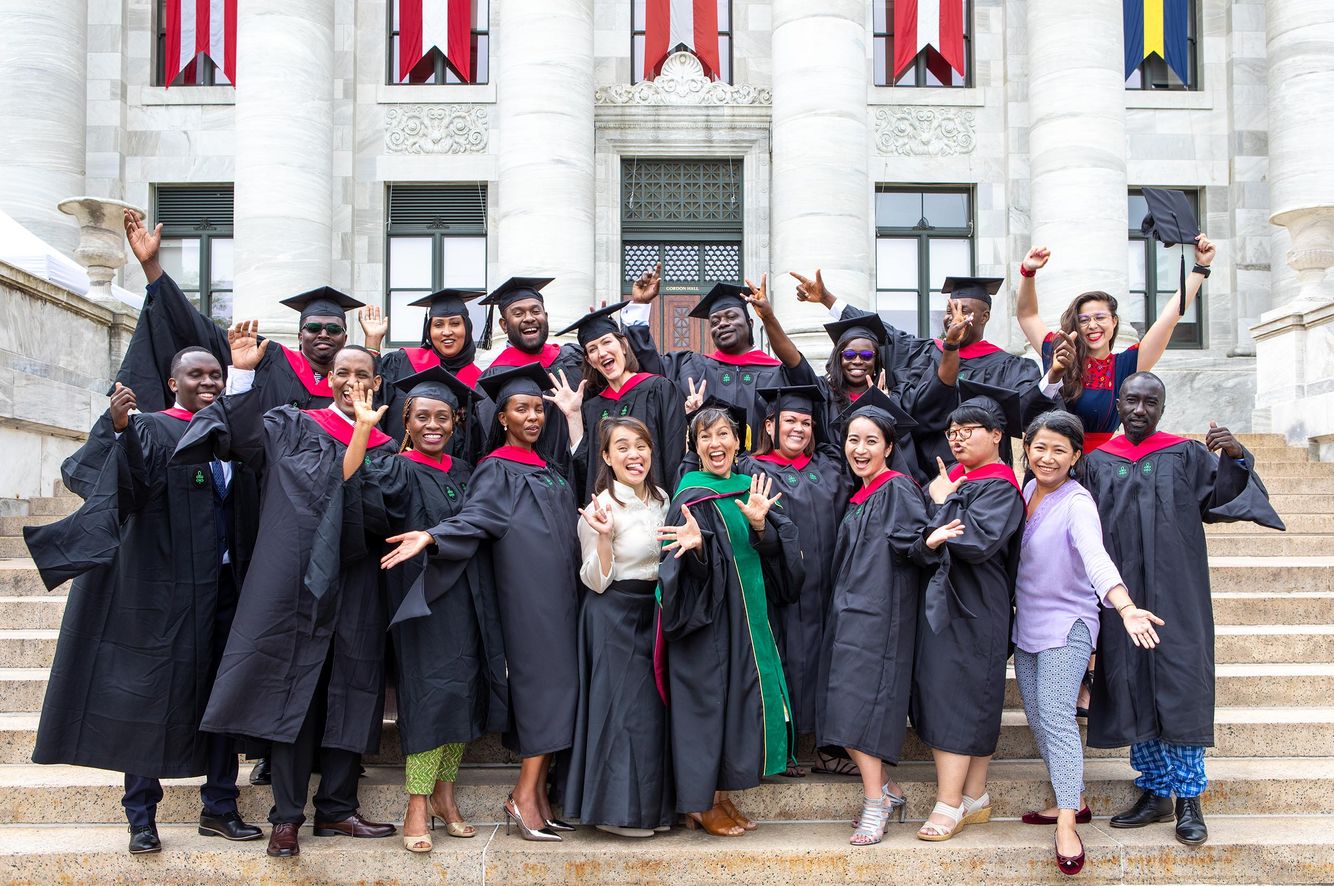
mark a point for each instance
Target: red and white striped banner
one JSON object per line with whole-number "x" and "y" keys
{"x": 445, "y": 25}
{"x": 670, "y": 23}
{"x": 195, "y": 26}
{"x": 922, "y": 23}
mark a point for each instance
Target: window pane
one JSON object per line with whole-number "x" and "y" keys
{"x": 481, "y": 14}
{"x": 897, "y": 209}
{"x": 945, "y": 210}
{"x": 1131, "y": 311}
{"x": 879, "y": 17}
{"x": 481, "y": 58}
{"x": 949, "y": 258}
{"x": 1136, "y": 208}
{"x": 463, "y": 262}
{"x": 405, "y": 323}
{"x": 899, "y": 309}
{"x": 220, "y": 307}
{"x": 1135, "y": 265}
{"x": 409, "y": 262}
{"x": 637, "y": 58}
{"x": 220, "y": 274}
{"x": 896, "y": 263}
{"x": 936, "y": 320}
{"x": 725, "y": 59}
{"x": 180, "y": 259}
{"x": 724, "y": 15}
{"x": 880, "y": 63}
{"x": 1169, "y": 268}
{"x": 640, "y": 15}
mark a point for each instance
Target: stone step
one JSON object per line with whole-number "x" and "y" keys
{"x": 1302, "y": 504}
{"x": 19, "y": 577}
{"x": 1302, "y": 485}
{"x": 1297, "y": 523}
{"x": 1272, "y": 609}
{"x": 1279, "y": 470}
{"x": 13, "y": 547}
{"x": 1262, "y": 543}
{"x": 1277, "y": 786}
{"x": 59, "y": 505}
{"x": 1290, "y": 850}
{"x": 14, "y": 525}
{"x": 32, "y": 612}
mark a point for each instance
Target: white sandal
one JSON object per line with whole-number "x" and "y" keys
{"x": 933, "y": 832}
{"x": 871, "y": 825}
{"x": 977, "y": 811}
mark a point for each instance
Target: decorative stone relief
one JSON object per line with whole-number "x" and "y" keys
{"x": 925, "y": 132}
{"x": 435, "y": 129}
{"x": 682, "y": 82}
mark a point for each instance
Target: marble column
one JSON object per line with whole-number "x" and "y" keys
{"x": 820, "y": 202}
{"x": 43, "y": 114}
{"x": 543, "y": 69}
{"x": 1077, "y": 149}
{"x": 1295, "y": 340}
{"x": 284, "y": 156}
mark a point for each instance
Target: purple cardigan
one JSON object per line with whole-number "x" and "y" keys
{"x": 1064, "y": 570}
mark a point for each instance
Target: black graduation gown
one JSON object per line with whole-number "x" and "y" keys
{"x": 167, "y": 323}
{"x": 1153, "y": 500}
{"x": 554, "y": 444}
{"x": 467, "y": 441}
{"x": 140, "y": 637}
{"x": 866, "y": 663}
{"x": 450, "y": 665}
{"x": 527, "y": 514}
{"x": 734, "y": 383}
{"x": 284, "y": 377}
{"x": 723, "y": 735}
{"x": 815, "y": 492}
{"x": 312, "y": 595}
{"x": 653, "y": 400}
{"x": 963, "y": 633}
{"x": 905, "y": 357}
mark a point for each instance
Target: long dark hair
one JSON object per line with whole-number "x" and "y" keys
{"x": 838, "y": 381}
{"x": 597, "y": 382}
{"x": 605, "y": 475}
{"x": 1069, "y": 426}
{"x": 1072, "y": 383}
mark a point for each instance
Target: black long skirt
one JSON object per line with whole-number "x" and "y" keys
{"x": 619, "y": 768}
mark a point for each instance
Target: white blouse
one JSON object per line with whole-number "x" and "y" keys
{"x": 634, "y": 541}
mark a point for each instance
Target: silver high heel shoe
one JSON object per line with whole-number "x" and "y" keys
{"x": 894, "y": 804}
{"x": 537, "y": 835}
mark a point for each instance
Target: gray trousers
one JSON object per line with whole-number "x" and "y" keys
{"x": 1049, "y": 683}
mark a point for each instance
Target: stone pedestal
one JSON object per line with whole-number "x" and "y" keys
{"x": 821, "y": 207}
{"x": 1077, "y": 149}
{"x": 284, "y": 156}
{"x": 543, "y": 70}
{"x": 101, "y": 244}
{"x": 43, "y": 112}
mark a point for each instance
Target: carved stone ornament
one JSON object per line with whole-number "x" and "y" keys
{"x": 435, "y": 129}
{"x": 925, "y": 132}
{"x": 682, "y": 82}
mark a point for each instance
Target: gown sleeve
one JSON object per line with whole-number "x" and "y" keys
{"x": 386, "y": 494}
{"x": 231, "y": 429}
{"x": 906, "y": 527}
{"x": 82, "y": 470}
{"x": 781, "y": 559}
{"x": 692, "y": 585}
{"x": 991, "y": 513}
{"x": 672, "y": 429}
{"x": 906, "y": 357}
{"x": 1230, "y": 491}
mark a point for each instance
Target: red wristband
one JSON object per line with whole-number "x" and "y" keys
{"x": 1025, "y": 272}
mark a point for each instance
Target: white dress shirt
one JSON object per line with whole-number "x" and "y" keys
{"x": 634, "y": 541}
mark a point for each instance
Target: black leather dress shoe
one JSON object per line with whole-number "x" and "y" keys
{"x": 283, "y": 842}
{"x": 260, "y": 773}
{"x": 1191, "y": 829}
{"x": 229, "y": 826}
{"x": 353, "y": 826}
{"x": 144, "y": 840}
{"x": 1148, "y": 809}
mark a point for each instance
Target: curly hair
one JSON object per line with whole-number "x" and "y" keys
{"x": 1072, "y": 384}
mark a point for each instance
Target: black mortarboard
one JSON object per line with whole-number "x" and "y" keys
{"x": 1001, "y": 402}
{"x": 857, "y": 327}
{"x": 876, "y": 400}
{"x": 437, "y": 383}
{"x": 805, "y": 399}
{"x": 596, "y": 324}
{"x": 980, "y": 288}
{"x": 721, "y": 296}
{"x": 737, "y": 413}
{"x": 447, "y": 302}
{"x": 529, "y": 379}
{"x": 516, "y": 289}
{"x": 1171, "y": 221}
{"x": 323, "y": 302}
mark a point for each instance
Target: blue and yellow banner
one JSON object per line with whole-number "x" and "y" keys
{"x": 1157, "y": 26}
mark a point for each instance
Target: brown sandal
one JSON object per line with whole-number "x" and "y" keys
{"x": 716, "y": 822}
{"x": 730, "y": 808}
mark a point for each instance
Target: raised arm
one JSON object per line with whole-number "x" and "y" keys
{"x": 1026, "y": 306}
{"x": 782, "y": 345}
{"x": 368, "y": 416}
{"x": 1154, "y": 342}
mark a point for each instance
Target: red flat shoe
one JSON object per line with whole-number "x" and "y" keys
{"x": 1070, "y": 865}
{"x": 1083, "y": 816}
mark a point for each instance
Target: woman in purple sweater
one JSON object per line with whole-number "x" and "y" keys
{"x": 1064, "y": 577}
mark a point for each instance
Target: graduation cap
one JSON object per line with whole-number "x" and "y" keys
{"x": 529, "y": 379}
{"x": 507, "y": 293}
{"x": 980, "y": 288}
{"x": 323, "y": 302}
{"x": 721, "y": 297}
{"x": 736, "y": 413}
{"x": 596, "y": 324}
{"x": 437, "y": 383}
{"x": 1171, "y": 222}
{"x": 868, "y": 327}
{"x": 877, "y": 401}
{"x": 445, "y": 303}
{"x": 792, "y": 398}
{"x": 1003, "y": 403}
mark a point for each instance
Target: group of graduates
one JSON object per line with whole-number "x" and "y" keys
{"x": 650, "y": 572}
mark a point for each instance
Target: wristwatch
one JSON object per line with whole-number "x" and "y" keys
{"x": 1202, "y": 270}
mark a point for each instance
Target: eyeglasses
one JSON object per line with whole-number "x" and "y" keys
{"x": 1100, "y": 317}
{"x": 962, "y": 433}
{"x": 850, "y": 354}
{"x": 331, "y": 328}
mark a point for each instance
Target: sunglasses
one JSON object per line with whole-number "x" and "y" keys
{"x": 331, "y": 328}
{"x": 850, "y": 354}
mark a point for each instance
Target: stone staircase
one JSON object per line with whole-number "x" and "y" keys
{"x": 1270, "y": 804}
